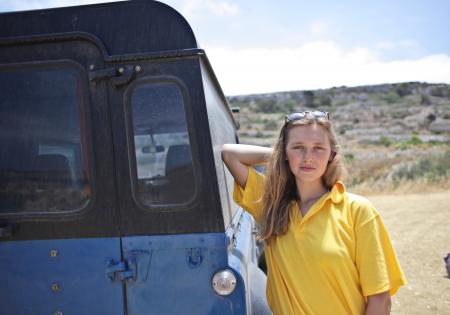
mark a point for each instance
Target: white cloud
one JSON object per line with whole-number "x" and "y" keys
{"x": 198, "y": 8}
{"x": 320, "y": 64}
{"x": 407, "y": 43}
{"x": 222, "y": 8}
{"x": 188, "y": 8}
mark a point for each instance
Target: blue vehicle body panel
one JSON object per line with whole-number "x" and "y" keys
{"x": 243, "y": 257}
{"x": 172, "y": 275}
{"x": 175, "y": 275}
{"x": 46, "y": 276}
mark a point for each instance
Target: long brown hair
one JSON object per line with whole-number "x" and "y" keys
{"x": 280, "y": 187}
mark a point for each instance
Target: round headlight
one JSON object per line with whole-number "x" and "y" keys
{"x": 224, "y": 282}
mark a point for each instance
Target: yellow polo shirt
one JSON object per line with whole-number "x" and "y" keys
{"x": 331, "y": 259}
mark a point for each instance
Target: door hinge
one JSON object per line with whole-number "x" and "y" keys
{"x": 123, "y": 270}
{"x": 118, "y": 75}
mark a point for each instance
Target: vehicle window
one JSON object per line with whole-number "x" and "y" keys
{"x": 43, "y": 162}
{"x": 164, "y": 169}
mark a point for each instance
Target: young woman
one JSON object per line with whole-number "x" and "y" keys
{"x": 327, "y": 250}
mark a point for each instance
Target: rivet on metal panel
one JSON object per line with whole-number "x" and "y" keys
{"x": 137, "y": 68}
{"x": 56, "y": 287}
{"x": 53, "y": 253}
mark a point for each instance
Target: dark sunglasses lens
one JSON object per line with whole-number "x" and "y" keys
{"x": 295, "y": 116}
{"x": 319, "y": 114}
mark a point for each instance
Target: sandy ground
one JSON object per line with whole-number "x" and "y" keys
{"x": 419, "y": 226}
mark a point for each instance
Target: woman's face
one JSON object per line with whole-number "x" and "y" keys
{"x": 308, "y": 151}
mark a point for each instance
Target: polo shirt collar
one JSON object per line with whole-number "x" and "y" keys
{"x": 336, "y": 194}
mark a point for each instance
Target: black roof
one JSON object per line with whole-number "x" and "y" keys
{"x": 125, "y": 27}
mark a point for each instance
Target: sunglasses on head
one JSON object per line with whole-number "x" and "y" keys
{"x": 300, "y": 115}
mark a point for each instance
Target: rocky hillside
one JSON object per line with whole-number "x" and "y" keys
{"x": 391, "y": 134}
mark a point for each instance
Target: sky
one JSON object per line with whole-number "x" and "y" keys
{"x": 262, "y": 46}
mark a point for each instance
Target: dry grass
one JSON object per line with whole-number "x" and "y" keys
{"x": 421, "y": 171}
{"x": 400, "y": 188}
{"x": 419, "y": 228}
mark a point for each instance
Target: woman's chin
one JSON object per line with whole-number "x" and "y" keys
{"x": 307, "y": 178}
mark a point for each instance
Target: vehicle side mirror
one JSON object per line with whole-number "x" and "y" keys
{"x": 236, "y": 111}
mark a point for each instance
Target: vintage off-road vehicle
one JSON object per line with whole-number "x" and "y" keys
{"x": 113, "y": 195}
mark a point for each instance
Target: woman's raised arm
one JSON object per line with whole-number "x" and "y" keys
{"x": 238, "y": 156}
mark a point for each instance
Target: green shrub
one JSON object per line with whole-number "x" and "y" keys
{"x": 425, "y": 99}
{"x": 349, "y": 157}
{"x": 437, "y": 142}
{"x": 432, "y": 169}
{"x": 288, "y": 106}
{"x": 440, "y": 91}
{"x": 391, "y": 97}
{"x": 343, "y": 129}
{"x": 386, "y": 141}
{"x": 266, "y": 105}
{"x": 403, "y": 89}
{"x": 259, "y": 134}
{"x": 340, "y": 102}
{"x": 324, "y": 100}
{"x": 415, "y": 140}
{"x": 309, "y": 98}
{"x": 271, "y": 125}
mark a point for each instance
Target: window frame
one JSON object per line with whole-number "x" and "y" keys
{"x": 129, "y": 130}
{"x": 85, "y": 125}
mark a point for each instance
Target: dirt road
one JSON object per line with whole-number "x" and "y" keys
{"x": 419, "y": 226}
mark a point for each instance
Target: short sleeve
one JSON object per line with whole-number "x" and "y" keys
{"x": 250, "y": 197}
{"x": 377, "y": 264}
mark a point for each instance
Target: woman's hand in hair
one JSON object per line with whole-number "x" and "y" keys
{"x": 238, "y": 156}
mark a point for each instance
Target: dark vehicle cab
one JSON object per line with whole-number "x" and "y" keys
{"x": 113, "y": 195}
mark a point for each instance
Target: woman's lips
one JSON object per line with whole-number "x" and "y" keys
{"x": 307, "y": 169}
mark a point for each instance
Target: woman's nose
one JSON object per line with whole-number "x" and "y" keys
{"x": 307, "y": 156}
{"x": 307, "y": 153}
